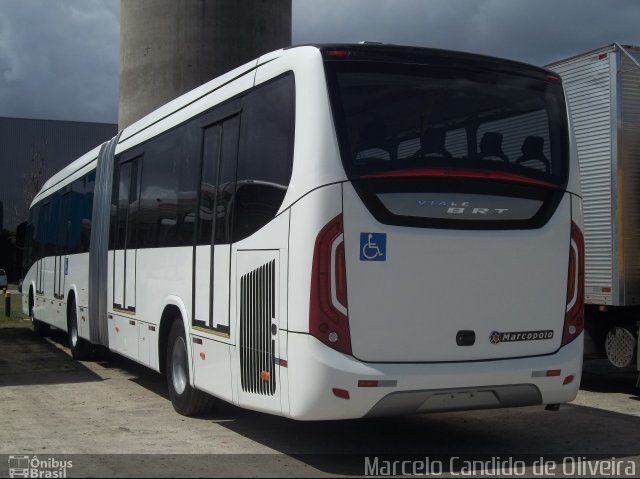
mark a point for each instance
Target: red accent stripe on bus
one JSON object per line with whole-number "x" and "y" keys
{"x": 456, "y": 173}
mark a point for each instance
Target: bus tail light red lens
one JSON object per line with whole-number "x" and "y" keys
{"x": 340, "y": 275}
{"x": 337, "y": 53}
{"x": 574, "y": 317}
{"x": 328, "y": 317}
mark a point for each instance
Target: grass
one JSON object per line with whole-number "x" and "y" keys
{"x": 16, "y": 319}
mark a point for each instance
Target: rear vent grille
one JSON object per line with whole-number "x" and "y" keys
{"x": 257, "y": 345}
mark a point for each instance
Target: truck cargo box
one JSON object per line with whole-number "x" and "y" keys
{"x": 603, "y": 90}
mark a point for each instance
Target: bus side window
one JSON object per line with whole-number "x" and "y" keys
{"x": 189, "y": 166}
{"x": 158, "y": 210}
{"x": 53, "y": 248}
{"x": 35, "y": 232}
{"x": 74, "y": 215}
{"x": 226, "y": 181}
{"x": 266, "y": 155}
{"x": 87, "y": 212}
{"x": 217, "y": 185}
{"x": 212, "y": 137}
{"x": 124, "y": 206}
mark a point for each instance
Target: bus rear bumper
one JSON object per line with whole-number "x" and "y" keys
{"x": 320, "y": 379}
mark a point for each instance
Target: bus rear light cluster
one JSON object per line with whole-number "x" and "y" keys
{"x": 328, "y": 318}
{"x": 574, "y": 317}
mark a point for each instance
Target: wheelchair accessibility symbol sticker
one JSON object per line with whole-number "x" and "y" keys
{"x": 373, "y": 246}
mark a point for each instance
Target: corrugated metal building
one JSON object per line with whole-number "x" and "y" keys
{"x": 52, "y": 143}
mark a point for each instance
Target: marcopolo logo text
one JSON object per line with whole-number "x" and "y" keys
{"x": 508, "y": 337}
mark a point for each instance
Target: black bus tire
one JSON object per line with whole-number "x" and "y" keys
{"x": 185, "y": 399}
{"x": 80, "y": 348}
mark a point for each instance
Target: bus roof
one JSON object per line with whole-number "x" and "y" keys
{"x": 358, "y": 51}
{"x": 367, "y": 51}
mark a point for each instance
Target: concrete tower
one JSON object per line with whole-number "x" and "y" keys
{"x": 168, "y": 47}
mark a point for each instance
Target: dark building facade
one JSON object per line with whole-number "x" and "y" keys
{"x": 27, "y": 145}
{"x": 31, "y": 151}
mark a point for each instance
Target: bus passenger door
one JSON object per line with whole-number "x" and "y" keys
{"x": 41, "y": 234}
{"x": 40, "y": 276}
{"x": 123, "y": 333}
{"x": 60, "y": 265}
{"x": 41, "y": 240}
{"x": 124, "y": 255}
{"x": 212, "y": 254}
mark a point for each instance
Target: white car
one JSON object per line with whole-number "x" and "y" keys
{"x": 3, "y": 279}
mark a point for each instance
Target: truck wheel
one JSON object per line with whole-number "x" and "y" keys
{"x": 80, "y": 349}
{"x": 185, "y": 399}
{"x": 620, "y": 346}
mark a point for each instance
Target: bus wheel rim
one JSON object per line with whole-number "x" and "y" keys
{"x": 179, "y": 366}
{"x": 74, "y": 333}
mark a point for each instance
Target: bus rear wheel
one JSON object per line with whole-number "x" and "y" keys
{"x": 185, "y": 399}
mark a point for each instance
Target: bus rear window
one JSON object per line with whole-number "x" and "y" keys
{"x": 394, "y": 117}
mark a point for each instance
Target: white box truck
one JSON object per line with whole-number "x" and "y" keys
{"x": 603, "y": 90}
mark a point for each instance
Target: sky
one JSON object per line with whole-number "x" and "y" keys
{"x": 59, "y": 58}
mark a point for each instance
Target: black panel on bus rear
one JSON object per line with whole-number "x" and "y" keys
{"x": 449, "y": 123}
{"x": 458, "y": 204}
{"x": 387, "y": 53}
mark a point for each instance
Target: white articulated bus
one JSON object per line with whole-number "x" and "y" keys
{"x": 330, "y": 232}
